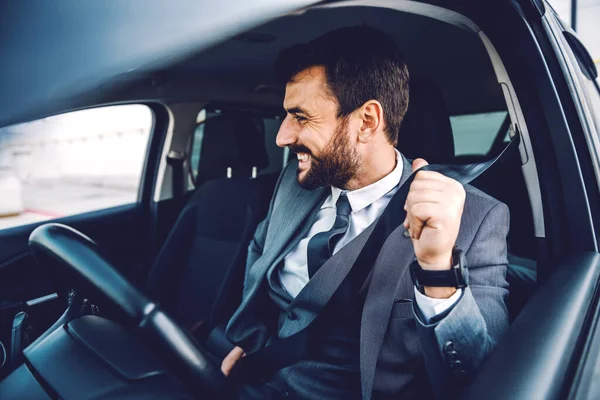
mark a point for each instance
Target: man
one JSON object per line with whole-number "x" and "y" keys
{"x": 377, "y": 335}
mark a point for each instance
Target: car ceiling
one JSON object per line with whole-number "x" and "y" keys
{"x": 454, "y": 58}
{"x": 57, "y": 56}
{"x": 72, "y": 54}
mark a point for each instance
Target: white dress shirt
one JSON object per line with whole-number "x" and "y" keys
{"x": 368, "y": 203}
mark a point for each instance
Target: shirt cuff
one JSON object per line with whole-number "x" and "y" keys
{"x": 431, "y": 307}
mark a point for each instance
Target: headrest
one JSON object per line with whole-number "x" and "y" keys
{"x": 426, "y": 131}
{"x": 233, "y": 140}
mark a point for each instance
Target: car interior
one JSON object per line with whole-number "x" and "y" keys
{"x": 453, "y": 77}
{"x": 209, "y": 174}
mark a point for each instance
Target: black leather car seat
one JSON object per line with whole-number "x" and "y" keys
{"x": 216, "y": 224}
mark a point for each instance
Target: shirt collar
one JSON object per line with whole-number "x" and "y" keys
{"x": 363, "y": 197}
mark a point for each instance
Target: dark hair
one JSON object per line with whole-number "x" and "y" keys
{"x": 361, "y": 64}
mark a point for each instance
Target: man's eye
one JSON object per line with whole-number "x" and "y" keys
{"x": 300, "y": 118}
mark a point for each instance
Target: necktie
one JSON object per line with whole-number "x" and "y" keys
{"x": 320, "y": 246}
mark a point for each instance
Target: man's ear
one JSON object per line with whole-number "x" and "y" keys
{"x": 371, "y": 115}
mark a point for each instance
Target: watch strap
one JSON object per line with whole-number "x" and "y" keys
{"x": 456, "y": 276}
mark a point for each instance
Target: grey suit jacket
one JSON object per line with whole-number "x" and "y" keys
{"x": 392, "y": 329}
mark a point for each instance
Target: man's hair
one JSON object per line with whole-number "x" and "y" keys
{"x": 361, "y": 64}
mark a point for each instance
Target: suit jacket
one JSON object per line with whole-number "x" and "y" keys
{"x": 392, "y": 330}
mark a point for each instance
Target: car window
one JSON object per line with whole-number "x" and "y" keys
{"x": 588, "y": 95}
{"x": 271, "y": 128}
{"x": 72, "y": 163}
{"x": 197, "y": 141}
{"x": 474, "y": 134}
{"x": 593, "y": 96}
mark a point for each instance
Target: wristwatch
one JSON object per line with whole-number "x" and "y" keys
{"x": 457, "y": 276}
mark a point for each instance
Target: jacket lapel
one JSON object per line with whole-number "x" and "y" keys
{"x": 293, "y": 216}
{"x": 292, "y": 207}
{"x": 321, "y": 287}
{"x": 388, "y": 271}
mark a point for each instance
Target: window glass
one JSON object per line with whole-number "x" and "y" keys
{"x": 196, "y": 147}
{"x": 474, "y": 134}
{"x": 271, "y": 128}
{"x": 72, "y": 163}
{"x": 593, "y": 95}
{"x": 589, "y": 94}
{"x": 198, "y": 138}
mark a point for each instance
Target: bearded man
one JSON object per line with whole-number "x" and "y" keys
{"x": 348, "y": 294}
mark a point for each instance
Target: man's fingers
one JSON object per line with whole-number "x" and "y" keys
{"x": 428, "y": 183}
{"x": 424, "y": 196}
{"x": 231, "y": 359}
{"x": 422, "y": 214}
{"x": 414, "y": 226}
{"x": 413, "y": 223}
{"x": 419, "y": 163}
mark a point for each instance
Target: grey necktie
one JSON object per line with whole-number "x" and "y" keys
{"x": 320, "y": 246}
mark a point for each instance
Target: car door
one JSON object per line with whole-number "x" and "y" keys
{"x": 90, "y": 169}
{"x": 552, "y": 348}
{"x": 579, "y": 66}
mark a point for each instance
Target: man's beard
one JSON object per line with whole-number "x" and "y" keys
{"x": 337, "y": 164}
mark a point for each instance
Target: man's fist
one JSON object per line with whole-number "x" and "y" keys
{"x": 231, "y": 359}
{"x": 434, "y": 207}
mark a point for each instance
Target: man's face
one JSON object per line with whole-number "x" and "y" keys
{"x": 325, "y": 145}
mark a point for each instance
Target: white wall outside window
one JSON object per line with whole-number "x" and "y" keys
{"x": 587, "y": 24}
{"x": 72, "y": 163}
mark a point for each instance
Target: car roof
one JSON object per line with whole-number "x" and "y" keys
{"x": 56, "y": 54}
{"x": 454, "y": 58}
{"x": 69, "y": 54}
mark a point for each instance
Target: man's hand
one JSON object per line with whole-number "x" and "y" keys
{"x": 231, "y": 359}
{"x": 434, "y": 207}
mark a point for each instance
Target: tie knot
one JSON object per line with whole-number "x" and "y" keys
{"x": 343, "y": 206}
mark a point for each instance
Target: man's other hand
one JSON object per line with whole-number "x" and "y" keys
{"x": 231, "y": 359}
{"x": 434, "y": 208}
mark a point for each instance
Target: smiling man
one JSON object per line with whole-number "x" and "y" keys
{"x": 352, "y": 290}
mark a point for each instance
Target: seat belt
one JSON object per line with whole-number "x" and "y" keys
{"x": 281, "y": 353}
{"x": 176, "y": 160}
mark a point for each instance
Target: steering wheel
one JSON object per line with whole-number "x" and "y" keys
{"x": 76, "y": 257}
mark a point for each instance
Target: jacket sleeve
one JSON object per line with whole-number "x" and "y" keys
{"x": 457, "y": 342}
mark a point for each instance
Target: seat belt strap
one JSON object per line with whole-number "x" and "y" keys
{"x": 176, "y": 160}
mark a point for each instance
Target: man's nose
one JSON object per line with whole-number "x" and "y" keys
{"x": 286, "y": 135}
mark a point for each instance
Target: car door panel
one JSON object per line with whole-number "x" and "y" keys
{"x": 543, "y": 345}
{"x": 540, "y": 354}
{"x": 119, "y": 232}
